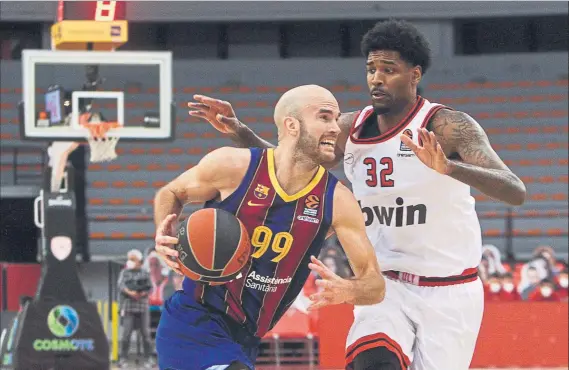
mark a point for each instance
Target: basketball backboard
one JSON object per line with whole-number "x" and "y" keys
{"x": 63, "y": 89}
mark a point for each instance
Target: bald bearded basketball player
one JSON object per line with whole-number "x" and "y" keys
{"x": 282, "y": 191}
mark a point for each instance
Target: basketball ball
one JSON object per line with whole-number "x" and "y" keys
{"x": 213, "y": 246}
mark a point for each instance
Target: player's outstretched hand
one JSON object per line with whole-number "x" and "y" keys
{"x": 333, "y": 289}
{"x": 430, "y": 152}
{"x": 165, "y": 242}
{"x": 219, "y": 113}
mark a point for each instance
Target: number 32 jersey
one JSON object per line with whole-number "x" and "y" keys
{"x": 418, "y": 220}
{"x": 285, "y": 230}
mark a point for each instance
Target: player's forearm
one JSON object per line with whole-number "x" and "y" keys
{"x": 165, "y": 203}
{"x": 246, "y": 138}
{"x": 367, "y": 289}
{"x": 501, "y": 185}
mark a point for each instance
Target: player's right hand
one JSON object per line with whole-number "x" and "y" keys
{"x": 219, "y": 113}
{"x": 165, "y": 242}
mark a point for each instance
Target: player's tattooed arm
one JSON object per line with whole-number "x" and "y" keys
{"x": 478, "y": 164}
{"x": 244, "y": 137}
{"x": 368, "y": 285}
{"x": 220, "y": 114}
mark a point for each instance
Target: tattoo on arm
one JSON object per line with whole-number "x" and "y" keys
{"x": 501, "y": 185}
{"x": 478, "y": 165}
{"x": 244, "y": 137}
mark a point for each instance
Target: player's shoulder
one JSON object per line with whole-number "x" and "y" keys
{"x": 228, "y": 155}
{"x": 345, "y": 206}
{"x": 228, "y": 159}
{"x": 448, "y": 116}
{"x": 447, "y": 122}
{"x": 342, "y": 194}
{"x": 346, "y": 119}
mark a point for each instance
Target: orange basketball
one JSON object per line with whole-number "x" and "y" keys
{"x": 213, "y": 246}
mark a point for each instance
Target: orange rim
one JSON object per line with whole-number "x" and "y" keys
{"x": 97, "y": 130}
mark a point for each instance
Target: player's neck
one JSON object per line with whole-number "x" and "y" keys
{"x": 391, "y": 119}
{"x": 293, "y": 172}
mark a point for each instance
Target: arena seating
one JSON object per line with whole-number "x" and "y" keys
{"x": 526, "y": 120}
{"x": 292, "y": 338}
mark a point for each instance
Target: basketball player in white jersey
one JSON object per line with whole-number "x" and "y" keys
{"x": 411, "y": 163}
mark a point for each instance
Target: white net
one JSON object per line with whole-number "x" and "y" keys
{"x": 102, "y": 148}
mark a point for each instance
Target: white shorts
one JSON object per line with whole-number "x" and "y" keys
{"x": 428, "y": 328}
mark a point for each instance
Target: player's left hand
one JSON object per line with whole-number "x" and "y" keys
{"x": 333, "y": 289}
{"x": 430, "y": 153}
{"x": 219, "y": 113}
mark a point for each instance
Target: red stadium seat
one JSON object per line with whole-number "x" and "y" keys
{"x": 293, "y": 325}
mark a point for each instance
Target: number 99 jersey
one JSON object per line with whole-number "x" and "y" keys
{"x": 285, "y": 230}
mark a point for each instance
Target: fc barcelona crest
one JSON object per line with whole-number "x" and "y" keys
{"x": 261, "y": 191}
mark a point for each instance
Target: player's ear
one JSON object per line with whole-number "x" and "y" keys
{"x": 417, "y": 75}
{"x": 292, "y": 126}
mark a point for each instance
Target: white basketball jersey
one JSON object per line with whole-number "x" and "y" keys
{"x": 418, "y": 220}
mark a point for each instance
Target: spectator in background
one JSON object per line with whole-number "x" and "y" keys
{"x": 547, "y": 253}
{"x": 346, "y": 268}
{"x": 334, "y": 249}
{"x": 177, "y": 281}
{"x": 492, "y": 289}
{"x": 158, "y": 276}
{"x": 134, "y": 286}
{"x": 330, "y": 262}
{"x": 509, "y": 292}
{"x": 491, "y": 263}
{"x": 531, "y": 275}
{"x": 562, "y": 282}
{"x": 338, "y": 265}
{"x": 175, "y": 284}
{"x": 545, "y": 293}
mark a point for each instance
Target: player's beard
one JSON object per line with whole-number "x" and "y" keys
{"x": 307, "y": 146}
{"x": 380, "y": 109}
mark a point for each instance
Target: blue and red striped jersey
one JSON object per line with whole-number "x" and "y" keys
{"x": 285, "y": 230}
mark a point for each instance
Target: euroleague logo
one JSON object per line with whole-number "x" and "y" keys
{"x": 312, "y": 201}
{"x": 311, "y": 205}
{"x": 404, "y": 147}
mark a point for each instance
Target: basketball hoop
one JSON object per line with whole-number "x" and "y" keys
{"x": 102, "y": 145}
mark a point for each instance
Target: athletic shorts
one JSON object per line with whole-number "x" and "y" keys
{"x": 426, "y": 327}
{"x": 191, "y": 336}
